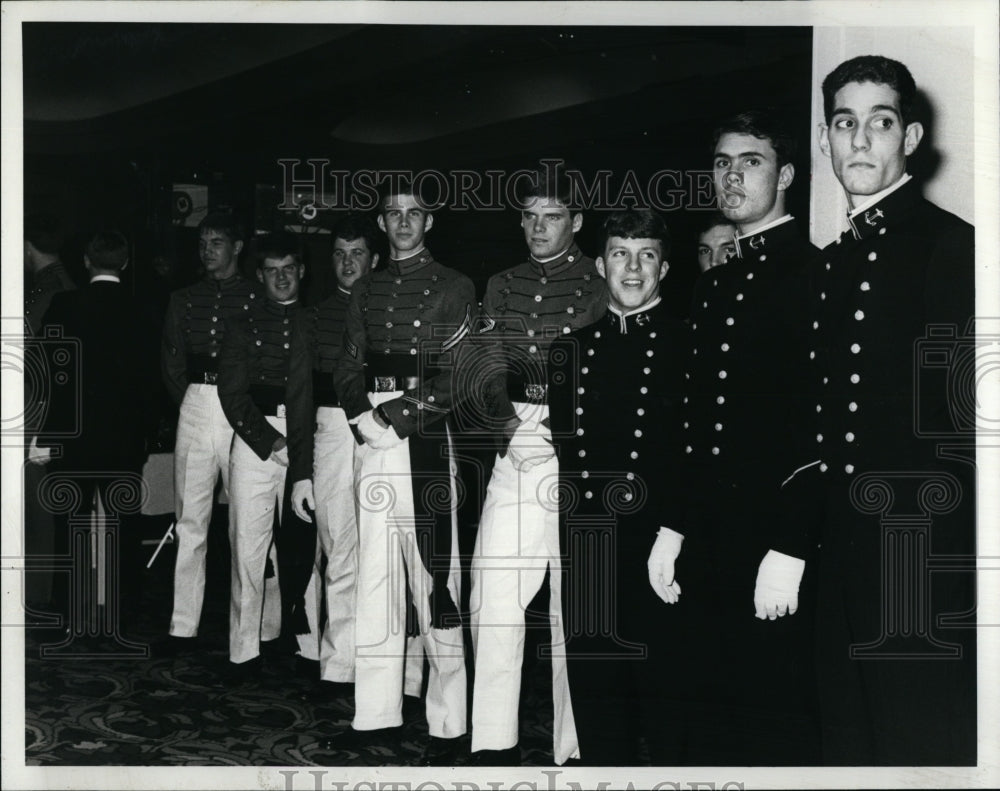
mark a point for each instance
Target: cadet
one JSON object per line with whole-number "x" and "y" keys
{"x": 401, "y": 322}
{"x": 896, "y": 687}
{"x": 554, "y": 292}
{"x": 253, "y": 373}
{"x": 322, "y": 464}
{"x": 747, "y": 404}
{"x": 193, "y": 333}
{"x": 622, "y": 473}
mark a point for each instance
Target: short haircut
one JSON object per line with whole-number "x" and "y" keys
{"x": 709, "y": 220}
{"x": 552, "y": 182}
{"x": 762, "y": 123}
{"x": 876, "y": 69}
{"x": 107, "y": 250}
{"x": 636, "y": 224}
{"x": 401, "y": 184}
{"x": 44, "y": 231}
{"x": 224, "y": 222}
{"x": 357, "y": 226}
{"x": 279, "y": 244}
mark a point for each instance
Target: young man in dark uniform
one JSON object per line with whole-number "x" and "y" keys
{"x": 897, "y": 685}
{"x": 615, "y": 390}
{"x": 524, "y": 309}
{"x": 747, "y": 404}
{"x": 253, "y": 374}
{"x": 193, "y": 332}
{"x": 402, "y": 322}
{"x": 321, "y": 452}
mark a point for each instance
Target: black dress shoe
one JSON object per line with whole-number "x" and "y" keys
{"x": 440, "y": 752}
{"x": 175, "y": 646}
{"x": 238, "y": 673}
{"x": 306, "y": 668}
{"x": 510, "y": 756}
{"x": 352, "y": 740}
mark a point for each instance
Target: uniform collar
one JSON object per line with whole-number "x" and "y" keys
{"x": 771, "y": 236}
{"x": 872, "y": 218}
{"x": 640, "y": 317}
{"x": 410, "y": 264}
{"x": 225, "y": 283}
{"x": 105, "y": 279}
{"x": 558, "y": 264}
{"x": 277, "y": 309}
{"x": 342, "y": 294}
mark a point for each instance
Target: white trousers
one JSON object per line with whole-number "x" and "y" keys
{"x": 255, "y": 602}
{"x": 201, "y": 453}
{"x": 518, "y": 540}
{"x": 388, "y": 559}
{"x": 337, "y": 530}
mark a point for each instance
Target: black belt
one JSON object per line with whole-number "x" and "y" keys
{"x": 269, "y": 399}
{"x": 391, "y": 383}
{"x": 526, "y": 390}
{"x": 202, "y": 369}
{"x": 324, "y": 393}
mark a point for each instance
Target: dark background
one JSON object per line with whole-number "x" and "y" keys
{"x": 116, "y": 114}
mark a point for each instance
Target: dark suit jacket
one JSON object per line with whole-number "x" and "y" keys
{"x": 102, "y": 418}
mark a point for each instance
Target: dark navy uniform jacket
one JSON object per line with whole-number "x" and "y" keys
{"x": 253, "y": 371}
{"x": 615, "y": 391}
{"x": 750, "y": 406}
{"x": 317, "y": 344}
{"x": 194, "y": 329}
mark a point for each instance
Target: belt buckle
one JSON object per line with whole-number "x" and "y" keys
{"x": 385, "y": 384}
{"x": 279, "y": 410}
{"x": 210, "y": 377}
{"x": 535, "y": 392}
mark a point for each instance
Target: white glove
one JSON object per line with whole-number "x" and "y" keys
{"x": 37, "y": 455}
{"x": 777, "y": 589}
{"x": 530, "y": 446}
{"x": 661, "y": 565}
{"x": 371, "y": 432}
{"x": 302, "y": 497}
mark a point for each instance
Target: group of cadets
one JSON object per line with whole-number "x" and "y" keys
{"x": 717, "y": 464}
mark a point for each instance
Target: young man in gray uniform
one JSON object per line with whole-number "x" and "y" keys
{"x": 557, "y": 290}
{"x": 253, "y": 374}
{"x": 321, "y": 453}
{"x": 193, "y": 333}
{"x": 401, "y": 324}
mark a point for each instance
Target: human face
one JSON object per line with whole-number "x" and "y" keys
{"x": 715, "y": 246}
{"x": 866, "y": 138}
{"x": 749, "y": 184}
{"x": 218, "y": 253}
{"x": 405, "y": 222}
{"x": 633, "y": 269}
{"x": 280, "y": 277}
{"x": 352, "y": 260}
{"x": 548, "y": 227}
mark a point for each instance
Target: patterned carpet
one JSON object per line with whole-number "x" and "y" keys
{"x": 161, "y": 711}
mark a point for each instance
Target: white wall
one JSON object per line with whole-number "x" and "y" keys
{"x": 941, "y": 61}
